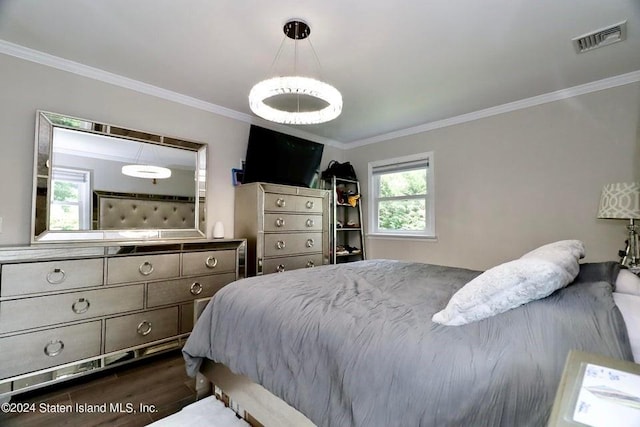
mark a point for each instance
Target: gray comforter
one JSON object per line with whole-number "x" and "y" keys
{"x": 354, "y": 345}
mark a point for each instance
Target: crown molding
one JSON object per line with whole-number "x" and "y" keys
{"x": 558, "y": 95}
{"x": 62, "y": 64}
{"x": 46, "y": 59}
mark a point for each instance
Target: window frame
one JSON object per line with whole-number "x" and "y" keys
{"x": 82, "y": 177}
{"x": 404, "y": 163}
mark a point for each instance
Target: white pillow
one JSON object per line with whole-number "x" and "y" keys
{"x": 564, "y": 253}
{"x": 627, "y": 283}
{"x": 629, "y": 306}
{"x": 502, "y": 288}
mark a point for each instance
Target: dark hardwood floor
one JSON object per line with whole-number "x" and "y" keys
{"x": 158, "y": 383}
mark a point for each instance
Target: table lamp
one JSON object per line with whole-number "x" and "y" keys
{"x": 622, "y": 201}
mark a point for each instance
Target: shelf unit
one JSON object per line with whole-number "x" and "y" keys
{"x": 347, "y": 232}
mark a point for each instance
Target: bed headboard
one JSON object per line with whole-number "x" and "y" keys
{"x": 143, "y": 212}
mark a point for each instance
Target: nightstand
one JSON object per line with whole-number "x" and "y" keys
{"x": 597, "y": 391}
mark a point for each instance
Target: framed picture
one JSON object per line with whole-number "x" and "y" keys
{"x": 597, "y": 391}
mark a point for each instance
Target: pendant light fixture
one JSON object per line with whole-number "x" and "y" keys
{"x": 141, "y": 170}
{"x": 146, "y": 171}
{"x": 298, "y": 86}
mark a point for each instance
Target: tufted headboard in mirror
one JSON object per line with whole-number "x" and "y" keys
{"x": 83, "y": 191}
{"x": 143, "y": 211}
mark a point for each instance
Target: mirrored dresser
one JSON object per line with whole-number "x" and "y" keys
{"x": 69, "y": 310}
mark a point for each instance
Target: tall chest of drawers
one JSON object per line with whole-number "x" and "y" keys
{"x": 286, "y": 227}
{"x": 68, "y": 310}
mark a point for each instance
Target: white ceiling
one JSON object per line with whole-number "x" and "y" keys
{"x": 399, "y": 65}
{"x": 96, "y": 146}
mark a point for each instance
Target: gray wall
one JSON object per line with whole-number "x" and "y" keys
{"x": 107, "y": 176}
{"x": 508, "y": 183}
{"x": 504, "y": 184}
{"x": 27, "y": 87}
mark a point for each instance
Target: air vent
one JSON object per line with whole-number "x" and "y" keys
{"x": 603, "y": 37}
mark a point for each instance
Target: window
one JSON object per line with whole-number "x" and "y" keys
{"x": 70, "y": 200}
{"x": 401, "y": 196}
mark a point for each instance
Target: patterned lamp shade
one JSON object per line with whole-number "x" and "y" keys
{"x": 620, "y": 201}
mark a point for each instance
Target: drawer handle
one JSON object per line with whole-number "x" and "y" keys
{"x": 309, "y": 204}
{"x": 280, "y": 244}
{"x": 309, "y": 222}
{"x": 211, "y": 261}
{"x": 195, "y": 288}
{"x": 56, "y": 276}
{"x": 280, "y": 222}
{"x": 144, "y": 328}
{"x": 280, "y": 268}
{"x": 281, "y": 203}
{"x": 53, "y": 348}
{"x": 310, "y": 264}
{"x": 310, "y": 243}
{"x": 80, "y": 306}
{"x": 146, "y": 268}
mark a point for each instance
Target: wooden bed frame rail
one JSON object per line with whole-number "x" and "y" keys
{"x": 250, "y": 401}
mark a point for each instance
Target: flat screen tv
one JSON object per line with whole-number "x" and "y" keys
{"x": 280, "y": 159}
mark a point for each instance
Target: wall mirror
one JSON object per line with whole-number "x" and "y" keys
{"x": 96, "y": 182}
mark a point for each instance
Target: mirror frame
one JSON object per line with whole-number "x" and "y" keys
{"x": 46, "y": 122}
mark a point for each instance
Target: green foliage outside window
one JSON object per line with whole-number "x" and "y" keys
{"x": 64, "y": 217}
{"x": 64, "y": 213}
{"x": 398, "y": 213}
{"x": 68, "y": 121}
{"x": 65, "y": 191}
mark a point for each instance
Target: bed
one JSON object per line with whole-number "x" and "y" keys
{"x": 356, "y": 345}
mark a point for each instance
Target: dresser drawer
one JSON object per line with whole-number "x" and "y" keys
{"x": 140, "y": 328}
{"x": 291, "y": 243}
{"x": 292, "y": 222}
{"x": 39, "y": 350}
{"x": 209, "y": 262}
{"x": 174, "y": 291}
{"x": 279, "y": 202}
{"x": 34, "y": 277}
{"x": 309, "y": 204}
{"x": 29, "y": 313}
{"x": 190, "y": 312}
{"x": 142, "y": 268}
{"x": 186, "y": 318}
{"x": 278, "y": 265}
{"x": 290, "y": 203}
